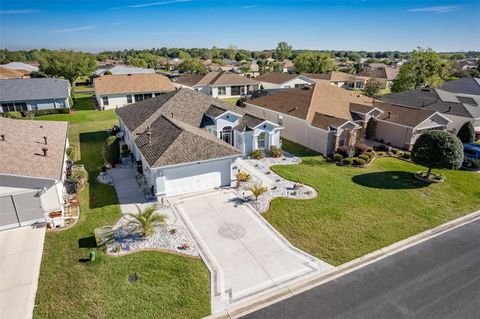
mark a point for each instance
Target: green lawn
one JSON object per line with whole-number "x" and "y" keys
{"x": 360, "y": 210}
{"x": 169, "y": 286}
{"x": 231, "y": 100}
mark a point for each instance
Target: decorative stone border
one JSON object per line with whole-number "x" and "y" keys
{"x": 283, "y": 188}
{"x": 128, "y": 240}
{"x": 427, "y": 180}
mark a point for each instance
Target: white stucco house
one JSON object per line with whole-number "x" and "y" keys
{"x": 324, "y": 118}
{"x": 219, "y": 84}
{"x": 32, "y": 170}
{"x": 277, "y": 80}
{"x": 114, "y": 91}
{"x": 34, "y": 94}
{"x": 187, "y": 141}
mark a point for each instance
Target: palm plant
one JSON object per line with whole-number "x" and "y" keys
{"x": 257, "y": 190}
{"x": 146, "y": 219}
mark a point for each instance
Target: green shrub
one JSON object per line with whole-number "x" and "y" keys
{"x": 347, "y": 161}
{"x": 400, "y": 153}
{"x": 111, "y": 150}
{"x": 50, "y": 111}
{"x": 275, "y": 151}
{"x": 358, "y": 161}
{"x": 337, "y": 158}
{"x": 381, "y": 148}
{"x": 257, "y": 154}
{"x": 394, "y": 151}
{"x": 407, "y": 155}
{"x": 79, "y": 174}
{"x": 72, "y": 152}
{"x": 243, "y": 176}
{"x": 370, "y": 154}
{"x": 370, "y": 149}
{"x": 366, "y": 158}
{"x": 12, "y": 115}
{"x": 466, "y": 134}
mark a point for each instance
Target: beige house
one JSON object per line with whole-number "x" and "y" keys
{"x": 383, "y": 74}
{"x": 114, "y": 91}
{"x": 324, "y": 117}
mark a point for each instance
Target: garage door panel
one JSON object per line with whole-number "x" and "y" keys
{"x": 196, "y": 178}
{"x": 29, "y": 207}
{"x": 8, "y": 218}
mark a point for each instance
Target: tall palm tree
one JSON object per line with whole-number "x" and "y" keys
{"x": 146, "y": 219}
{"x": 257, "y": 190}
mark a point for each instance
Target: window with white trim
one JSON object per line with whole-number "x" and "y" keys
{"x": 222, "y": 90}
{"x": 129, "y": 99}
{"x": 104, "y": 100}
{"x": 261, "y": 140}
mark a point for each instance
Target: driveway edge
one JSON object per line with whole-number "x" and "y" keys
{"x": 316, "y": 280}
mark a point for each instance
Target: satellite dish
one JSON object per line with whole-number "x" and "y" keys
{"x": 120, "y": 134}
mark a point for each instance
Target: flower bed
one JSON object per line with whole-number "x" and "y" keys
{"x": 434, "y": 177}
{"x": 172, "y": 238}
{"x": 282, "y": 187}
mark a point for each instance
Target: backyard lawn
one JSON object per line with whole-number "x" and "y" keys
{"x": 168, "y": 286}
{"x": 360, "y": 210}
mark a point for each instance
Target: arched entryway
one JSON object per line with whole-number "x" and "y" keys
{"x": 227, "y": 135}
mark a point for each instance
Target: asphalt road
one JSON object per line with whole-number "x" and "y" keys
{"x": 439, "y": 278}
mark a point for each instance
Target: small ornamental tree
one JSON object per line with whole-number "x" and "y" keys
{"x": 438, "y": 149}
{"x": 111, "y": 150}
{"x": 466, "y": 134}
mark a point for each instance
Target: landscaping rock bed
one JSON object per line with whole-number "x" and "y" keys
{"x": 129, "y": 240}
{"x": 282, "y": 188}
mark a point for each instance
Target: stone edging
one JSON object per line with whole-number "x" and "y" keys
{"x": 343, "y": 269}
{"x": 166, "y": 251}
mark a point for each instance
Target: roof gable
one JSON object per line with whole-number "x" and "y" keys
{"x": 132, "y": 83}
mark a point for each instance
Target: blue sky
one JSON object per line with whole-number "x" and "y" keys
{"x": 95, "y": 25}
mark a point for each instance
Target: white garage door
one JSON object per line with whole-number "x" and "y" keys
{"x": 197, "y": 177}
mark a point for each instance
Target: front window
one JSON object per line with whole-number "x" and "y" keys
{"x": 222, "y": 90}
{"x": 129, "y": 99}
{"x": 236, "y": 90}
{"x": 105, "y": 100}
{"x": 141, "y": 97}
{"x": 261, "y": 140}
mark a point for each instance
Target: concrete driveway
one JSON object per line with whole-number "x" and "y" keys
{"x": 246, "y": 256}
{"x": 20, "y": 257}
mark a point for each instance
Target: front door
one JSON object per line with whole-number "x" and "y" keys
{"x": 227, "y": 135}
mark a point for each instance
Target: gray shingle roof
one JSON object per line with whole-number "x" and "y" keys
{"x": 427, "y": 99}
{"x": 175, "y": 120}
{"x": 33, "y": 89}
{"x": 468, "y": 85}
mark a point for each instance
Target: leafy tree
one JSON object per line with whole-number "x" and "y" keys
{"x": 283, "y": 51}
{"x": 312, "y": 62}
{"x": 230, "y": 52}
{"x": 111, "y": 150}
{"x": 67, "y": 64}
{"x": 242, "y": 55}
{"x": 372, "y": 89}
{"x": 438, "y": 149}
{"x": 38, "y": 74}
{"x": 245, "y": 69}
{"x": 193, "y": 65}
{"x": 146, "y": 219}
{"x": 424, "y": 69}
{"x": 466, "y": 134}
{"x": 107, "y": 72}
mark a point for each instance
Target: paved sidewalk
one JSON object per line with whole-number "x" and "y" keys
{"x": 21, "y": 252}
{"x": 266, "y": 181}
{"x": 245, "y": 255}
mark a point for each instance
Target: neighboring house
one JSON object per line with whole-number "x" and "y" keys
{"x": 21, "y": 66}
{"x": 219, "y": 84}
{"x": 189, "y": 142}
{"x": 384, "y": 74}
{"x": 34, "y": 94}
{"x": 273, "y": 80}
{"x": 324, "y": 117}
{"x": 458, "y": 100}
{"x": 122, "y": 69}
{"x": 254, "y": 69}
{"x": 7, "y": 73}
{"x": 288, "y": 66}
{"x": 114, "y": 91}
{"x": 340, "y": 79}
{"x": 32, "y": 170}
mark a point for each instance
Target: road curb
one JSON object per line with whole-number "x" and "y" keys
{"x": 316, "y": 280}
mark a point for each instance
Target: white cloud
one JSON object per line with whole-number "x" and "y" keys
{"x": 437, "y": 9}
{"x": 20, "y": 11}
{"x": 151, "y": 4}
{"x": 88, "y": 27}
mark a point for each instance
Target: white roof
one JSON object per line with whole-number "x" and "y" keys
{"x": 120, "y": 69}
{"x": 21, "y": 66}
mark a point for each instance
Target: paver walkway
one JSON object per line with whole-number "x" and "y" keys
{"x": 20, "y": 257}
{"x": 245, "y": 255}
